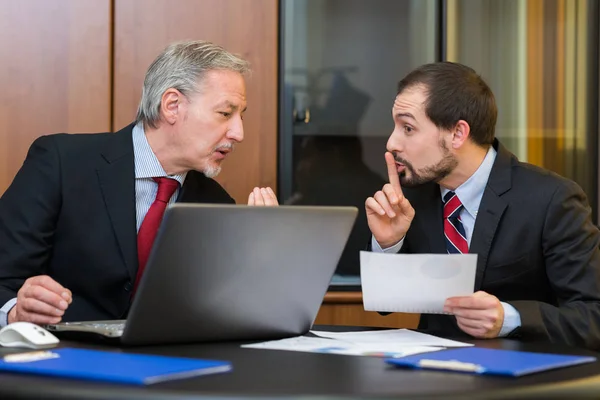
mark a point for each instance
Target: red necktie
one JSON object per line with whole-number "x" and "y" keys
{"x": 149, "y": 227}
{"x": 456, "y": 240}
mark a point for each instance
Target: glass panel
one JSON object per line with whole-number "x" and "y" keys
{"x": 341, "y": 61}
{"x": 540, "y": 58}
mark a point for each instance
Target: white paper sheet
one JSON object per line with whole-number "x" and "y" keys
{"x": 332, "y": 346}
{"x": 398, "y": 337}
{"x": 415, "y": 283}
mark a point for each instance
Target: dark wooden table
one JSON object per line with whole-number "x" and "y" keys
{"x": 270, "y": 373}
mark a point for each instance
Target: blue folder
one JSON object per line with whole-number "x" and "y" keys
{"x": 138, "y": 369}
{"x": 489, "y": 361}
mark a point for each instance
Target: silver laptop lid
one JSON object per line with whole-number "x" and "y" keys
{"x": 224, "y": 272}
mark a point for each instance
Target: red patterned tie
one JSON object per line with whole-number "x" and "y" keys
{"x": 149, "y": 227}
{"x": 456, "y": 240}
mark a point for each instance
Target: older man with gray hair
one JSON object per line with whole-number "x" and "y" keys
{"x": 78, "y": 222}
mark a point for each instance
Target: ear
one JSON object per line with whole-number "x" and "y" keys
{"x": 170, "y": 105}
{"x": 461, "y": 133}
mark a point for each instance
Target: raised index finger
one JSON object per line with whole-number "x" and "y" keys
{"x": 393, "y": 172}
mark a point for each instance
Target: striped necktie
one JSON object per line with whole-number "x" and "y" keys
{"x": 456, "y": 240}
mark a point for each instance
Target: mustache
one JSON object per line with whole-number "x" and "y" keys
{"x": 401, "y": 160}
{"x": 224, "y": 146}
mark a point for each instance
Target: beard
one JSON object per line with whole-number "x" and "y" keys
{"x": 211, "y": 171}
{"x": 431, "y": 173}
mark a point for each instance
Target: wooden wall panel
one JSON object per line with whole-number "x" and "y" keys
{"x": 54, "y": 74}
{"x": 346, "y": 309}
{"x": 535, "y": 82}
{"x": 247, "y": 27}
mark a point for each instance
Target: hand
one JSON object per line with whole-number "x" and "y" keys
{"x": 262, "y": 197}
{"x": 389, "y": 213}
{"x": 41, "y": 300}
{"x": 480, "y": 315}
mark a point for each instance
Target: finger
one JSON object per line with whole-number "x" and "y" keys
{"x": 469, "y": 313}
{"x": 38, "y": 319}
{"x": 268, "y": 199}
{"x": 273, "y": 196}
{"x": 480, "y": 303}
{"x": 391, "y": 195}
{"x": 476, "y": 332}
{"x": 405, "y": 207}
{"x": 393, "y": 172}
{"x": 50, "y": 284}
{"x": 470, "y": 323}
{"x": 484, "y": 326}
{"x": 372, "y": 205}
{"x": 44, "y": 295}
{"x": 489, "y": 317}
{"x": 70, "y": 295}
{"x": 34, "y": 306}
{"x": 251, "y": 199}
{"x": 258, "y": 199}
{"x": 381, "y": 198}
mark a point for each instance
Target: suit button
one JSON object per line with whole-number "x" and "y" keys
{"x": 128, "y": 286}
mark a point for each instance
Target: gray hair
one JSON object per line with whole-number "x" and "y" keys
{"x": 182, "y": 66}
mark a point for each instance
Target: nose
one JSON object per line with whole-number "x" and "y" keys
{"x": 394, "y": 143}
{"x": 236, "y": 130}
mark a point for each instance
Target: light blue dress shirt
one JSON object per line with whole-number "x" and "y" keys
{"x": 147, "y": 167}
{"x": 470, "y": 194}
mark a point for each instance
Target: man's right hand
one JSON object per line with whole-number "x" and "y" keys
{"x": 389, "y": 213}
{"x": 40, "y": 300}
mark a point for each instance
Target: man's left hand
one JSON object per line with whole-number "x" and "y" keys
{"x": 262, "y": 197}
{"x": 480, "y": 315}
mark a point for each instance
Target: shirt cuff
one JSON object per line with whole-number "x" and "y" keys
{"x": 5, "y": 310}
{"x": 376, "y": 248}
{"x": 512, "y": 320}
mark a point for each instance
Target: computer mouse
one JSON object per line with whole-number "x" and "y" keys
{"x": 26, "y": 334}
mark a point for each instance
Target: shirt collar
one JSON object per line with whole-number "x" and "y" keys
{"x": 471, "y": 191}
{"x": 146, "y": 163}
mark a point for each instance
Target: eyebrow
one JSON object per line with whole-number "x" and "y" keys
{"x": 229, "y": 104}
{"x": 407, "y": 115}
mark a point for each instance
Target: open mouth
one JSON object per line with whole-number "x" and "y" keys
{"x": 222, "y": 152}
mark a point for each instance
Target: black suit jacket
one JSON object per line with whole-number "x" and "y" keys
{"x": 70, "y": 213}
{"x": 537, "y": 248}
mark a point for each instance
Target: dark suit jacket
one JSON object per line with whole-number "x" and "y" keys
{"x": 537, "y": 247}
{"x": 70, "y": 213}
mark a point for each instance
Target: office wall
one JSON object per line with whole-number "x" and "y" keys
{"x": 54, "y": 73}
{"x": 247, "y": 27}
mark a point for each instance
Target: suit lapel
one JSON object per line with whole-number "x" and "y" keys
{"x": 491, "y": 210}
{"x": 188, "y": 192}
{"x": 116, "y": 175}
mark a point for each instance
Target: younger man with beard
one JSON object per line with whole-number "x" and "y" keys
{"x": 460, "y": 190}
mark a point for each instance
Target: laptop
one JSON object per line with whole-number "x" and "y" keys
{"x": 229, "y": 272}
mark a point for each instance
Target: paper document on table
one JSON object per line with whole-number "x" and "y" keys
{"x": 415, "y": 283}
{"x": 399, "y": 337}
{"x": 331, "y": 346}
